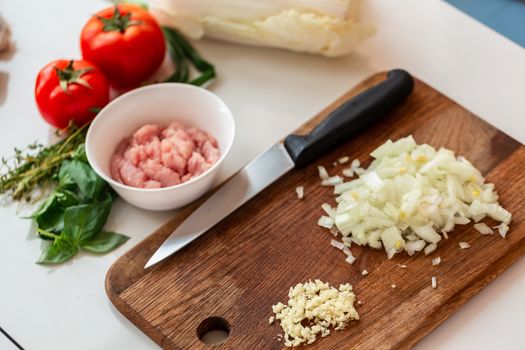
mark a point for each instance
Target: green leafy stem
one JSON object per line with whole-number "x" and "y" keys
{"x": 74, "y": 215}
{"x": 183, "y": 54}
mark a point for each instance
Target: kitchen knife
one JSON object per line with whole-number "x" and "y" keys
{"x": 297, "y": 152}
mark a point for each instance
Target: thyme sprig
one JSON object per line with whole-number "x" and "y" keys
{"x": 34, "y": 169}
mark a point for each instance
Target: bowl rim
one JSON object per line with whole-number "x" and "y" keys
{"x": 130, "y": 94}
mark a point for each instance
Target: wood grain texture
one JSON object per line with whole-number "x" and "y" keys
{"x": 248, "y": 261}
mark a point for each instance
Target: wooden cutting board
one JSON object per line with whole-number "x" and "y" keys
{"x": 230, "y": 277}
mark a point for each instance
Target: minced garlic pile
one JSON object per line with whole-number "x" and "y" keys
{"x": 322, "y": 306}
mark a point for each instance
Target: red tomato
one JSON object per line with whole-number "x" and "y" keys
{"x": 126, "y": 42}
{"x": 70, "y": 91}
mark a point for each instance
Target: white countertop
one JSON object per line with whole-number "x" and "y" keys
{"x": 270, "y": 93}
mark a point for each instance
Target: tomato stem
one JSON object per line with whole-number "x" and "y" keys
{"x": 70, "y": 75}
{"x": 117, "y": 22}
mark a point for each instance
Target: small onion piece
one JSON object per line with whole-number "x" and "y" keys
{"x": 464, "y": 245}
{"x": 332, "y": 181}
{"x": 323, "y": 174}
{"x": 483, "y": 228}
{"x": 337, "y": 244}
{"x": 349, "y": 172}
{"x": 328, "y": 210}
{"x": 347, "y": 241}
{"x": 300, "y": 192}
{"x": 372, "y": 180}
{"x": 392, "y": 241}
{"x": 503, "y": 228}
{"x": 415, "y": 246}
{"x": 461, "y": 221}
{"x": 326, "y": 222}
{"x": 427, "y": 233}
{"x": 430, "y": 248}
{"x": 359, "y": 171}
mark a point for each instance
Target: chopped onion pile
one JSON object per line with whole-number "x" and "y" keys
{"x": 409, "y": 198}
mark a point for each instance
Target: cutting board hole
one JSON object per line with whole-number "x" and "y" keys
{"x": 213, "y": 330}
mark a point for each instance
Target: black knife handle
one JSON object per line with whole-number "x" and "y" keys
{"x": 350, "y": 118}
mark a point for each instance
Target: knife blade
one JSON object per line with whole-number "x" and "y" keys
{"x": 297, "y": 151}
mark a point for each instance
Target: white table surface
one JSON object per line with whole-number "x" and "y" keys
{"x": 270, "y": 93}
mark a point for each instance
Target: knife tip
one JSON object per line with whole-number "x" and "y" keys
{"x": 164, "y": 251}
{"x": 152, "y": 261}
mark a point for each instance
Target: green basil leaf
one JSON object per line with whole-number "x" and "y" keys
{"x": 64, "y": 175}
{"x": 52, "y": 218}
{"x": 50, "y": 215}
{"x": 104, "y": 242}
{"x": 83, "y": 222}
{"x": 45, "y": 206}
{"x": 60, "y": 197}
{"x": 80, "y": 153}
{"x": 66, "y": 198}
{"x": 89, "y": 183}
{"x": 57, "y": 252}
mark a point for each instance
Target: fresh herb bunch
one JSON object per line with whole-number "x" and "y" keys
{"x": 74, "y": 215}
{"x": 75, "y": 212}
{"x": 35, "y": 168}
{"x": 182, "y": 55}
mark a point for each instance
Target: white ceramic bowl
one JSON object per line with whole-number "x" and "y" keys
{"x": 161, "y": 104}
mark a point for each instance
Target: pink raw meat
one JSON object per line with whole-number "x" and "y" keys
{"x": 145, "y": 134}
{"x": 156, "y": 156}
{"x": 197, "y": 164}
{"x": 131, "y": 175}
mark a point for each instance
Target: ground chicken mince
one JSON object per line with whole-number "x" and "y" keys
{"x": 158, "y": 156}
